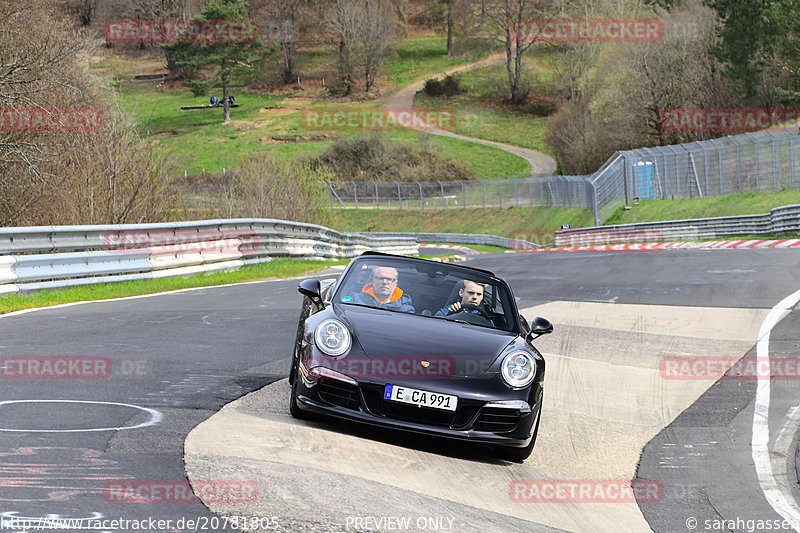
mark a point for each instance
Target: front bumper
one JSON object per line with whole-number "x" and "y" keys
{"x": 475, "y": 419}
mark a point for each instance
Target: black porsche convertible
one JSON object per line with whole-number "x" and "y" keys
{"x": 423, "y": 346}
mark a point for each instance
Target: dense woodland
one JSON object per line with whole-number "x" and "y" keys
{"x": 600, "y": 96}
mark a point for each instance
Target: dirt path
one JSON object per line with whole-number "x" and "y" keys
{"x": 541, "y": 164}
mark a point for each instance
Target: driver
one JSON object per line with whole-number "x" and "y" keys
{"x": 383, "y": 292}
{"x": 470, "y": 293}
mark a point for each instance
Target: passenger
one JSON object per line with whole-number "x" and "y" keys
{"x": 383, "y": 292}
{"x": 470, "y": 293}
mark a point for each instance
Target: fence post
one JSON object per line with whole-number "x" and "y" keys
{"x": 500, "y": 193}
{"x": 421, "y": 201}
{"x": 377, "y": 204}
{"x": 774, "y": 162}
{"x": 441, "y": 188}
{"x": 594, "y": 203}
{"x": 791, "y": 146}
{"x": 333, "y": 193}
{"x": 483, "y": 195}
{"x": 719, "y": 160}
{"x": 625, "y": 178}
{"x": 738, "y": 161}
{"x": 463, "y": 195}
{"x": 705, "y": 163}
{"x": 758, "y": 169}
{"x": 355, "y": 192}
{"x": 399, "y": 197}
{"x": 516, "y": 198}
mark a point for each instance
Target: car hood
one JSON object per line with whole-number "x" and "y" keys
{"x": 386, "y": 334}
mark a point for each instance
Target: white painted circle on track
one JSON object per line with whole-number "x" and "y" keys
{"x": 155, "y": 417}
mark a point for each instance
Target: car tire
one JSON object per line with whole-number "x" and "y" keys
{"x": 518, "y": 455}
{"x": 295, "y": 409}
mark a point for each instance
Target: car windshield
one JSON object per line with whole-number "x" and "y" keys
{"x": 424, "y": 288}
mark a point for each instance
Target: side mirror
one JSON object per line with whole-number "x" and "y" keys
{"x": 312, "y": 289}
{"x": 541, "y": 326}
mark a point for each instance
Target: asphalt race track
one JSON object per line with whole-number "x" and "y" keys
{"x": 110, "y": 435}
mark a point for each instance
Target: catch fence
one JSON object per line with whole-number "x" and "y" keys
{"x": 763, "y": 161}
{"x": 569, "y": 191}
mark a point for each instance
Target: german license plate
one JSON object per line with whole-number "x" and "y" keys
{"x": 421, "y": 398}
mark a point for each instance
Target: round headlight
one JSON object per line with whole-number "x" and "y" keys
{"x": 332, "y": 337}
{"x": 518, "y": 369}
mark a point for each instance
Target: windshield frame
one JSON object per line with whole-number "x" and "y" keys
{"x": 414, "y": 272}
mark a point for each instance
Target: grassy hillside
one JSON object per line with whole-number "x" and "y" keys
{"x": 273, "y": 121}
{"x": 720, "y": 206}
{"x": 481, "y": 113}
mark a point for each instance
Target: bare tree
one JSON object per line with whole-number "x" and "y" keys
{"x": 379, "y": 30}
{"x": 38, "y": 70}
{"x": 580, "y": 140}
{"x": 343, "y": 20}
{"x": 637, "y": 82}
{"x": 284, "y": 20}
{"x": 270, "y": 188}
{"x": 111, "y": 177}
{"x": 79, "y": 173}
{"x": 503, "y": 19}
{"x": 84, "y": 10}
{"x": 364, "y": 30}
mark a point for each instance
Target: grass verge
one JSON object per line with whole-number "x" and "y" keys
{"x": 717, "y": 206}
{"x": 514, "y": 222}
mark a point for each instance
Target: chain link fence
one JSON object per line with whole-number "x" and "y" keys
{"x": 763, "y": 161}
{"x": 569, "y": 191}
{"x": 752, "y": 162}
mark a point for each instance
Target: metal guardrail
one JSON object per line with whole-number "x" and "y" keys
{"x": 43, "y": 257}
{"x": 784, "y": 219}
{"x": 465, "y": 238}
